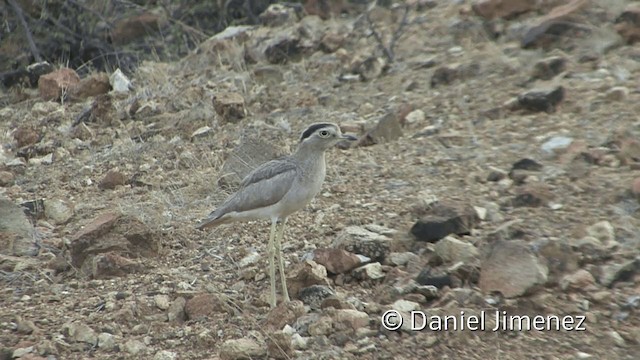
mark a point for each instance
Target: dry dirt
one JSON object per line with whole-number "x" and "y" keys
{"x": 380, "y": 184}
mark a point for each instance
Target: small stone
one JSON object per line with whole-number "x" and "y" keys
{"x": 579, "y": 280}
{"x": 80, "y": 333}
{"x": 22, "y": 352}
{"x": 250, "y": 259}
{"x": 322, "y": 327}
{"x": 556, "y": 144}
{"x": 284, "y": 314}
{"x": 106, "y": 341}
{"x": 617, "y": 339}
{"x": 59, "y": 211}
{"x": 604, "y": 232}
{"x": 337, "y": 261}
{"x": 359, "y": 240}
{"x": 298, "y": 342}
{"x": 352, "y": 319}
{"x": 371, "y": 271}
{"x": 176, "y": 310}
{"x": 538, "y": 100}
{"x": 162, "y": 301}
{"x": 415, "y": 117}
{"x": 6, "y": 178}
{"x": 111, "y": 264}
{"x": 26, "y": 135}
{"x": 511, "y": 268}
{"x": 120, "y": 82}
{"x": 244, "y": 348}
{"x": 279, "y": 345}
{"x": 442, "y": 220}
{"x": 427, "y": 278}
{"x": 401, "y": 258}
{"x": 112, "y": 179}
{"x": 229, "y": 106}
{"x": 405, "y": 306}
{"x": 205, "y": 305}
{"x": 135, "y": 347}
{"x": 534, "y": 195}
{"x": 547, "y": 69}
{"x": 609, "y": 274}
{"x": 314, "y": 295}
{"x": 165, "y": 355}
{"x": 387, "y": 129}
{"x": 57, "y": 84}
{"x": 452, "y": 250}
{"x": 304, "y": 275}
{"x": 93, "y": 85}
{"x": 617, "y": 93}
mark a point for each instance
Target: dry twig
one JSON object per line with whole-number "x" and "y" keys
{"x": 388, "y": 50}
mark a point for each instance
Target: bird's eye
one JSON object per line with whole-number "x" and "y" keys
{"x": 323, "y": 133}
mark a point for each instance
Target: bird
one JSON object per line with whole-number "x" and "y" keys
{"x": 278, "y": 188}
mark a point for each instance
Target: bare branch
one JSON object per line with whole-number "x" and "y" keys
{"x": 388, "y": 50}
{"x": 32, "y": 45}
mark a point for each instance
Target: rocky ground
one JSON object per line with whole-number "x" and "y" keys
{"x": 498, "y": 170}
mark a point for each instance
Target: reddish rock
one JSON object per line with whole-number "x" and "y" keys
{"x": 548, "y": 28}
{"x": 53, "y": 85}
{"x": 306, "y": 274}
{"x": 506, "y": 9}
{"x": 230, "y": 106}
{"x": 284, "y": 314}
{"x": 25, "y": 136}
{"x": 337, "y": 261}
{"x": 92, "y": 85}
{"x": 108, "y": 265}
{"x": 6, "y": 178}
{"x": 112, "y": 233}
{"x": 112, "y": 180}
{"x": 205, "y": 305}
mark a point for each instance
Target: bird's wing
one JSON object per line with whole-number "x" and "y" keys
{"x": 264, "y": 186}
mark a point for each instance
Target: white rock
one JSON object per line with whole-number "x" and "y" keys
{"x": 604, "y": 232}
{"x": 119, "y": 81}
{"x": 20, "y": 352}
{"x": 556, "y": 143}
{"x": 241, "y": 349}
{"x": 165, "y": 355}
{"x": 106, "y": 341}
{"x": 416, "y": 116}
{"x": 59, "y": 211}
{"x": 617, "y": 339}
{"x": 249, "y": 260}
{"x": 453, "y": 250}
{"x": 162, "y": 301}
{"x": 481, "y": 212}
{"x": 298, "y": 342}
{"x": 134, "y": 347}
{"x": 405, "y": 306}
{"x": 371, "y": 271}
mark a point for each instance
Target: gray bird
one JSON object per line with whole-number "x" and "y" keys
{"x": 278, "y": 188}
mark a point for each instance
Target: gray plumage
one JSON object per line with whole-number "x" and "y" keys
{"x": 278, "y": 188}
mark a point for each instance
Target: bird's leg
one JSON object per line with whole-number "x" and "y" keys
{"x": 283, "y": 277}
{"x": 272, "y": 269}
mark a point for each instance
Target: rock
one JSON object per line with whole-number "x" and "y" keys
{"x": 176, "y": 310}
{"x": 120, "y": 83}
{"x": 556, "y": 144}
{"x": 314, "y": 295}
{"x": 617, "y": 339}
{"x": 111, "y": 264}
{"x": 250, "y": 259}
{"x": 165, "y": 355}
{"x": 205, "y": 305}
{"x": 609, "y": 274}
{"x": 367, "y": 67}
{"x": 284, "y": 314}
{"x": 427, "y": 278}
{"x": 114, "y": 233}
{"x": 112, "y": 179}
{"x": 229, "y": 106}
{"x": 617, "y": 93}
{"x": 371, "y": 271}
{"x": 405, "y": 306}
{"x": 6, "y": 178}
{"x": 548, "y": 28}
{"x": 332, "y": 41}
{"x": 604, "y": 232}
{"x": 56, "y": 84}
{"x": 579, "y": 280}
{"x": 560, "y": 256}
{"x": 351, "y": 319}
{"x": 402, "y": 258}
{"x": 506, "y": 9}
{"x": 22, "y": 352}
{"x": 511, "y": 268}
{"x": 430, "y": 292}
{"x": 322, "y": 327}
{"x": 359, "y": 240}
{"x": 106, "y": 341}
{"x": 17, "y": 235}
{"x": 628, "y": 24}
{"x": 79, "y": 332}
{"x": 249, "y": 154}
{"x": 162, "y": 301}
{"x": 336, "y": 303}
{"x": 548, "y": 68}
{"x": 387, "y": 129}
{"x": 304, "y": 275}
{"x": 135, "y": 347}
{"x": 539, "y": 100}
{"x": 298, "y": 342}
{"x": 452, "y": 250}
{"x": 93, "y": 85}
{"x": 58, "y": 211}
{"x": 279, "y": 345}
{"x": 244, "y": 348}
{"x": 534, "y": 195}
{"x": 442, "y": 220}
{"x": 26, "y": 135}
{"x": 279, "y": 15}
{"x": 337, "y": 261}
{"x": 448, "y": 74}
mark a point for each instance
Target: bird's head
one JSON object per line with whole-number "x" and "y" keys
{"x": 323, "y": 136}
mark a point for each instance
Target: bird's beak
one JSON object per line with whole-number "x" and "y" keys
{"x": 348, "y": 137}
